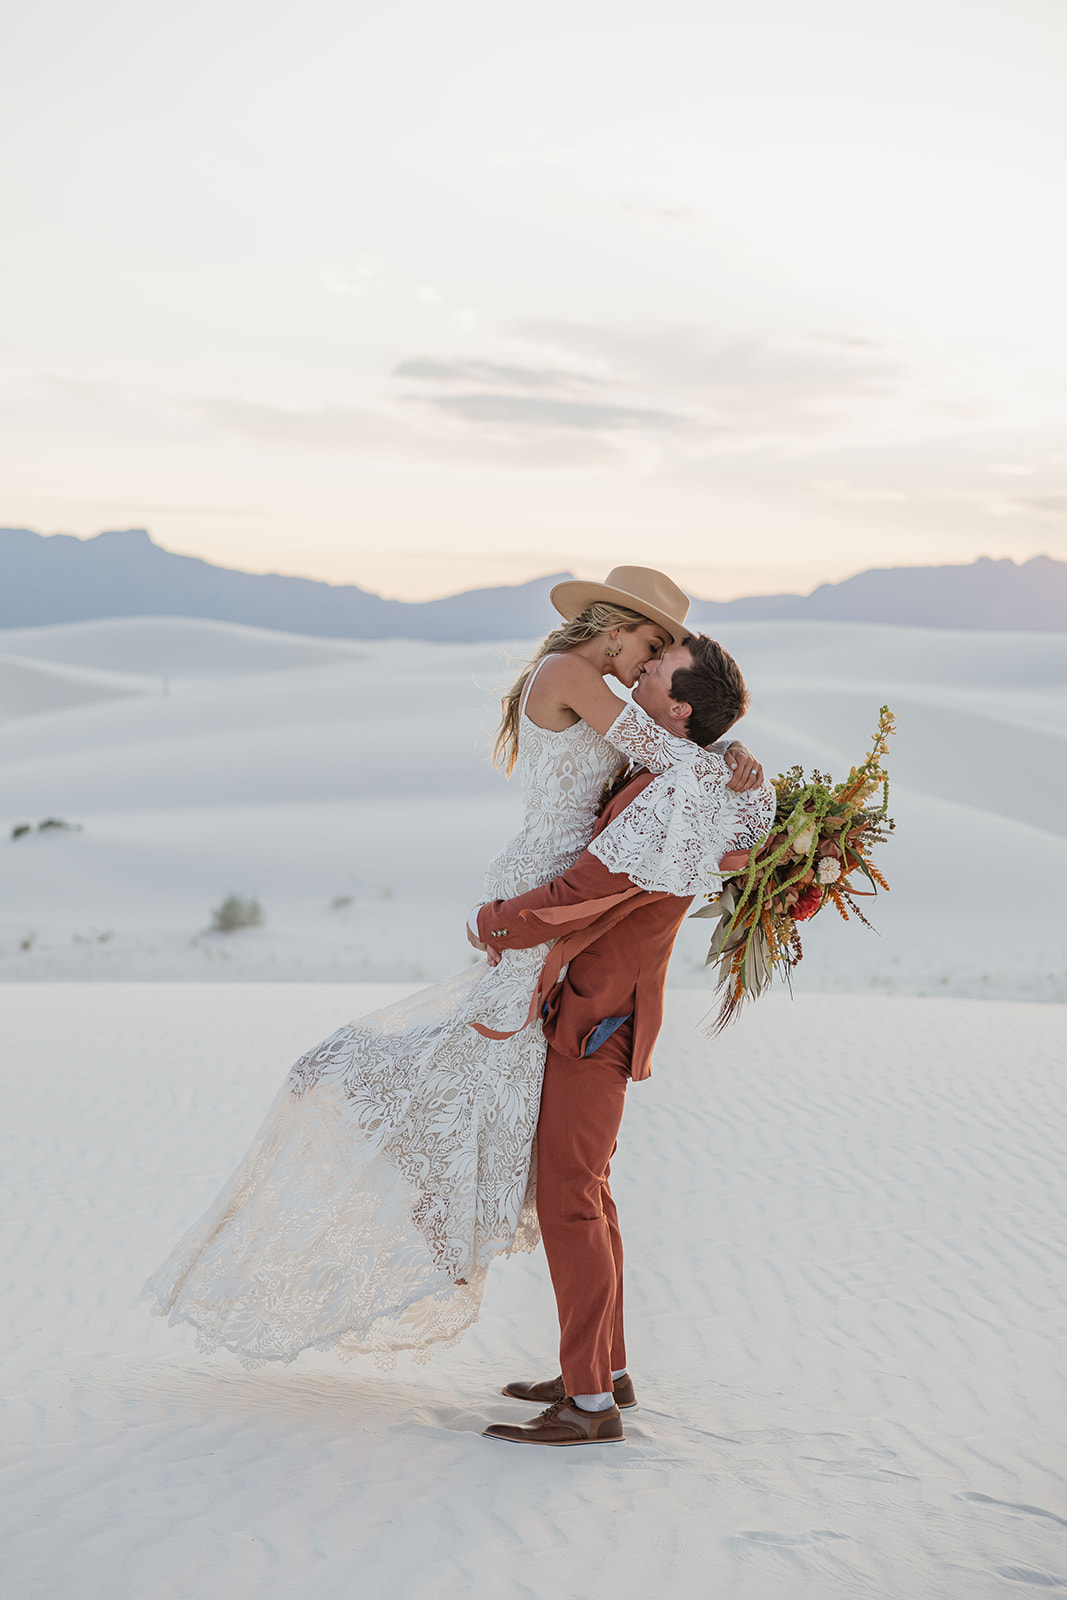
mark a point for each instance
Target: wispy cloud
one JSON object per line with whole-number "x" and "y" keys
{"x": 753, "y": 387}
{"x": 526, "y": 411}
{"x": 1050, "y": 505}
{"x": 516, "y": 398}
{"x": 597, "y": 395}
{"x": 940, "y": 476}
{"x": 855, "y": 492}
{"x": 435, "y": 432}
{"x": 834, "y": 419}
{"x": 665, "y": 383}
{"x": 491, "y": 374}
{"x": 350, "y": 428}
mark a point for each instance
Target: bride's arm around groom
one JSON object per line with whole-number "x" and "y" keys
{"x": 615, "y": 913}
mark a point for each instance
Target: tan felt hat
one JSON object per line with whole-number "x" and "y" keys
{"x": 640, "y": 588}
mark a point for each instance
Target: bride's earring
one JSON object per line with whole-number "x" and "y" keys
{"x": 611, "y": 652}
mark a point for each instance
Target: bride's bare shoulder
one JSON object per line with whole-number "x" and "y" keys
{"x": 567, "y": 668}
{"x": 567, "y": 687}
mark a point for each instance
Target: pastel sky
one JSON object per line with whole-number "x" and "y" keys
{"x": 422, "y": 296}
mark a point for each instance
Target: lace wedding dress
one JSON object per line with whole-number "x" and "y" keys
{"x": 396, "y": 1161}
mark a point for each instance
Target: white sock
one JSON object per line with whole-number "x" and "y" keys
{"x": 615, "y": 1376}
{"x": 593, "y": 1402}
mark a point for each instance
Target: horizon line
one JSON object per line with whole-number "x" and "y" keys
{"x": 303, "y": 577}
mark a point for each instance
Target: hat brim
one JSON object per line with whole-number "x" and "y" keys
{"x": 572, "y": 598}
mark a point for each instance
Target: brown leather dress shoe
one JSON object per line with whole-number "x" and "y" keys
{"x": 562, "y": 1424}
{"x": 544, "y": 1394}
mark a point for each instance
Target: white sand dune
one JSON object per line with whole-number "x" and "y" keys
{"x": 309, "y": 772}
{"x": 845, "y": 1224}
{"x": 29, "y": 686}
{"x": 176, "y": 646}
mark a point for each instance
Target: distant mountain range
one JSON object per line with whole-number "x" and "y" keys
{"x": 1030, "y": 597}
{"x": 57, "y": 578}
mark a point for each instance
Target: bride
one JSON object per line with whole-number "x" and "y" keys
{"x": 396, "y": 1161}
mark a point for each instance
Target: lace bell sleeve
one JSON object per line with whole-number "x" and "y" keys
{"x": 635, "y": 735}
{"x": 673, "y": 834}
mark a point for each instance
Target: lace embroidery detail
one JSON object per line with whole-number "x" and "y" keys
{"x": 396, "y": 1162}
{"x": 672, "y": 835}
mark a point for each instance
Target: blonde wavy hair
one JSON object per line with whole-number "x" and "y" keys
{"x": 598, "y": 618}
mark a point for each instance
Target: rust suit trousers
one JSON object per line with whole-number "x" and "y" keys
{"x": 581, "y": 1109}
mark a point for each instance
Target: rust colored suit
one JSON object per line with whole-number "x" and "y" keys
{"x": 601, "y": 1021}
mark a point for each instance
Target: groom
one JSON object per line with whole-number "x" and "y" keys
{"x": 601, "y": 1019}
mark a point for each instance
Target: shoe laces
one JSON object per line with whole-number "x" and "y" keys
{"x": 554, "y": 1409}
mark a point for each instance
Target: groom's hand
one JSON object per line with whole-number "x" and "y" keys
{"x": 747, "y": 772}
{"x": 493, "y": 956}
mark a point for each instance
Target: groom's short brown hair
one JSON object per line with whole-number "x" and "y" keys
{"x": 713, "y": 688}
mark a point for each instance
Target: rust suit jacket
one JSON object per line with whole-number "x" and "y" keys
{"x": 617, "y": 956}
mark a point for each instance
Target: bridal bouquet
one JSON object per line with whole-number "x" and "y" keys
{"x": 822, "y": 838}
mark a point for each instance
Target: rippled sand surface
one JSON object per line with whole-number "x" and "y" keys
{"x": 845, "y": 1224}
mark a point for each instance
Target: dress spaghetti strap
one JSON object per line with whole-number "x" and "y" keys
{"x": 529, "y": 686}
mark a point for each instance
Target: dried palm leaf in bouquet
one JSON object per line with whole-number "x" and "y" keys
{"x": 823, "y": 835}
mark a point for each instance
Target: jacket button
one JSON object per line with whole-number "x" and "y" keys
{"x": 499, "y": 933}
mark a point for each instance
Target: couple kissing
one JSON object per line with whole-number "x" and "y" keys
{"x": 413, "y": 1146}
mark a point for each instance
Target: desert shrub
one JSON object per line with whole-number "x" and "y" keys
{"x": 48, "y": 825}
{"x": 236, "y": 912}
